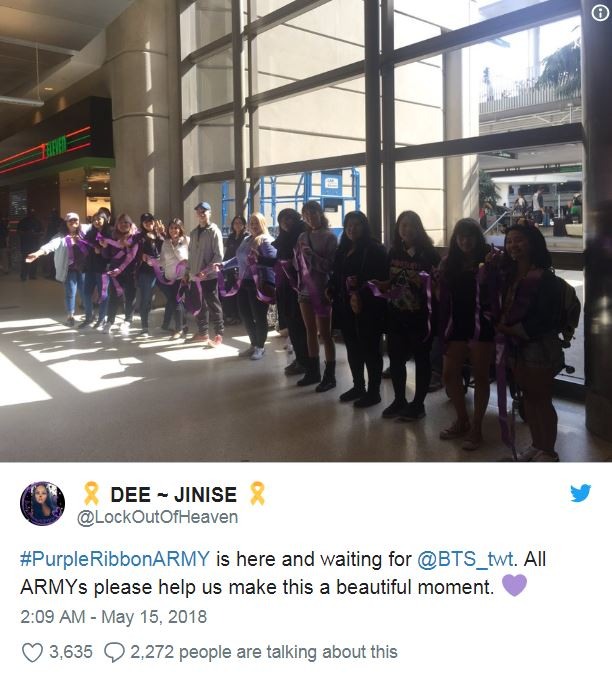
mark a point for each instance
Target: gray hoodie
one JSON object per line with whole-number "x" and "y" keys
{"x": 205, "y": 248}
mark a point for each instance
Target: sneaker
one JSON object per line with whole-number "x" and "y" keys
{"x": 106, "y": 328}
{"x": 84, "y": 323}
{"x": 125, "y": 327}
{"x": 367, "y": 400}
{"x": 176, "y": 335}
{"x": 99, "y": 322}
{"x": 352, "y": 394}
{"x": 247, "y": 352}
{"x": 199, "y": 338}
{"x": 412, "y": 412}
{"x": 394, "y": 409}
{"x": 217, "y": 341}
{"x": 258, "y": 353}
{"x": 143, "y": 334}
{"x": 70, "y": 321}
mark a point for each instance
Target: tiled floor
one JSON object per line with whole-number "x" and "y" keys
{"x": 70, "y": 395}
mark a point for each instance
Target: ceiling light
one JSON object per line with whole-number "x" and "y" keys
{"x": 21, "y": 102}
{"x": 49, "y": 89}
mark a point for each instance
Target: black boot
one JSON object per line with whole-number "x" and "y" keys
{"x": 313, "y": 373}
{"x": 329, "y": 378}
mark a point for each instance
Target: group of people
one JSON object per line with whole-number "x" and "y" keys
{"x": 477, "y": 303}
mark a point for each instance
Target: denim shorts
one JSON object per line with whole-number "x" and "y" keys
{"x": 544, "y": 352}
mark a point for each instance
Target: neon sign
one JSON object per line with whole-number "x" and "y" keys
{"x": 67, "y": 143}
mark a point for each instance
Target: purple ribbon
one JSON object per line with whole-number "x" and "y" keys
{"x": 286, "y": 267}
{"x": 80, "y": 243}
{"x": 320, "y": 307}
{"x": 127, "y": 259}
{"x": 181, "y": 267}
{"x": 183, "y": 296}
{"x": 252, "y": 259}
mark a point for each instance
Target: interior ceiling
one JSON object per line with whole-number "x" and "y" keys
{"x": 55, "y": 29}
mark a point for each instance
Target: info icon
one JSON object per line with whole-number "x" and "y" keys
{"x": 42, "y": 503}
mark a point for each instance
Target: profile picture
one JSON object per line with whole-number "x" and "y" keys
{"x": 42, "y": 503}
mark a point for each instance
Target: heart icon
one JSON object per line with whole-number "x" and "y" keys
{"x": 514, "y": 585}
{"x": 32, "y": 651}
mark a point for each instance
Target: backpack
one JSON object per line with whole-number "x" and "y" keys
{"x": 570, "y": 311}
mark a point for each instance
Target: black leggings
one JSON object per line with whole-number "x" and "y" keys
{"x": 129, "y": 296}
{"x": 362, "y": 335}
{"x": 254, "y": 313}
{"x": 287, "y": 302}
{"x": 402, "y": 346}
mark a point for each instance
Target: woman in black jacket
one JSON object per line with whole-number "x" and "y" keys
{"x": 410, "y": 313}
{"x": 466, "y": 329}
{"x": 238, "y": 232}
{"x": 290, "y": 225}
{"x": 361, "y": 315}
{"x": 95, "y": 269}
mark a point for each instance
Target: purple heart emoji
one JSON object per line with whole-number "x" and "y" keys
{"x": 514, "y": 585}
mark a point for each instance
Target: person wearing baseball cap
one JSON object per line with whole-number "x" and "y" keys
{"x": 205, "y": 250}
{"x": 70, "y": 257}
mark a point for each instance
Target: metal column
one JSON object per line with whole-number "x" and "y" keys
{"x": 388, "y": 117}
{"x": 597, "y": 217}
{"x": 238, "y": 93}
{"x": 372, "y": 114}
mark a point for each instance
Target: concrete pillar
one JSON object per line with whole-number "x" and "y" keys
{"x": 142, "y": 52}
{"x": 597, "y": 113}
{"x": 460, "y": 121}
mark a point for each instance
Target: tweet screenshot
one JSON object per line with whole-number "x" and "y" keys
{"x": 269, "y": 570}
{"x": 305, "y": 338}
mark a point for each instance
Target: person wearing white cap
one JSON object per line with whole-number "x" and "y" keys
{"x": 70, "y": 255}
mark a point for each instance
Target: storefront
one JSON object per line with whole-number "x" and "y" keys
{"x": 61, "y": 164}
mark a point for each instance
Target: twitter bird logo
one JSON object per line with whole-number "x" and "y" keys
{"x": 580, "y": 493}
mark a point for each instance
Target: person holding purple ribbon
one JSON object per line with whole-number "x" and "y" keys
{"x": 466, "y": 329}
{"x": 173, "y": 261}
{"x": 290, "y": 226}
{"x": 95, "y": 270}
{"x": 529, "y": 322}
{"x": 150, "y": 249}
{"x": 70, "y": 256}
{"x": 360, "y": 258}
{"x": 410, "y": 313}
{"x": 121, "y": 252}
{"x": 205, "y": 252}
{"x": 238, "y": 232}
{"x": 314, "y": 260}
{"x": 256, "y": 283}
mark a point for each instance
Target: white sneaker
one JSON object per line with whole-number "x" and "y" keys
{"x": 258, "y": 353}
{"x": 125, "y": 328}
{"x": 106, "y": 328}
{"x": 247, "y": 352}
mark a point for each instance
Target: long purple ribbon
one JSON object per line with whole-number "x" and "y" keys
{"x": 80, "y": 243}
{"x": 117, "y": 271}
{"x": 181, "y": 267}
{"x": 260, "y": 295}
{"x": 322, "y": 309}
